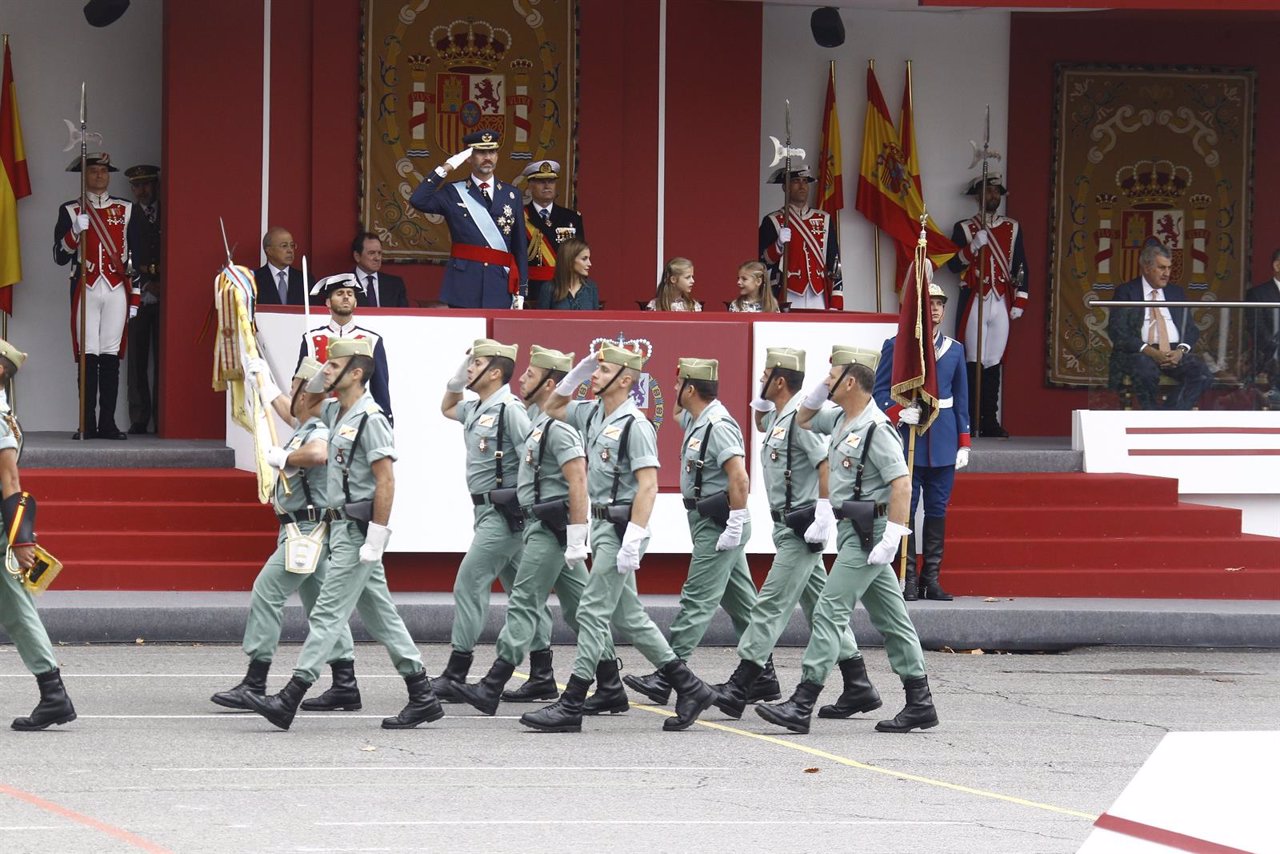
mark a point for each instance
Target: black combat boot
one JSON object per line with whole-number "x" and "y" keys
{"x": 454, "y": 672}
{"x": 565, "y": 714}
{"x": 766, "y": 687}
{"x": 654, "y": 686}
{"x": 108, "y": 390}
{"x": 919, "y": 712}
{"x": 859, "y": 695}
{"x": 935, "y": 535}
{"x": 610, "y": 697}
{"x": 731, "y": 696}
{"x": 794, "y": 714}
{"x": 911, "y": 585}
{"x": 90, "y": 396}
{"x": 693, "y": 696}
{"x": 541, "y": 684}
{"x": 990, "y": 417}
{"x": 280, "y": 708}
{"x": 486, "y": 694}
{"x": 423, "y": 706}
{"x": 343, "y": 695}
{"x": 54, "y": 706}
{"x": 254, "y": 682}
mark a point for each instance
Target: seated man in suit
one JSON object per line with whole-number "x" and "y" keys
{"x": 376, "y": 289}
{"x": 1263, "y": 326}
{"x": 1148, "y": 343}
{"x": 279, "y": 283}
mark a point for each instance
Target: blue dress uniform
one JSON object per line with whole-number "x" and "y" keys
{"x": 936, "y": 449}
{"x": 488, "y": 236}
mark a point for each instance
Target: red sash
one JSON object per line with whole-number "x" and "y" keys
{"x": 468, "y": 252}
{"x": 542, "y": 274}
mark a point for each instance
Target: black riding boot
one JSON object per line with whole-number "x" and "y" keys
{"x": 654, "y": 686}
{"x": 565, "y": 714}
{"x": 454, "y": 672}
{"x": 423, "y": 706}
{"x": 108, "y": 390}
{"x": 343, "y": 694}
{"x": 54, "y": 706}
{"x": 935, "y": 535}
{"x": 795, "y": 713}
{"x": 919, "y": 712}
{"x": 487, "y": 693}
{"x": 991, "y": 426}
{"x": 541, "y": 684}
{"x": 971, "y": 368}
{"x": 254, "y": 682}
{"x": 90, "y": 396}
{"x": 610, "y": 697}
{"x": 693, "y": 695}
{"x": 911, "y": 587}
{"x": 731, "y": 696}
{"x": 280, "y": 708}
{"x": 859, "y": 695}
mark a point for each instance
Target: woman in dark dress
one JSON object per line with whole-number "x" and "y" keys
{"x": 571, "y": 289}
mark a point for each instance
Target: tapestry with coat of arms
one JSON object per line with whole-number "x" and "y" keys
{"x": 436, "y": 70}
{"x": 1141, "y": 153}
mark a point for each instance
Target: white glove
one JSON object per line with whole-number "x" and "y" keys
{"x": 133, "y": 312}
{"x": 732, "y": 536}
{"x": 784, "y": 236}
{"x": 374, "y": 543}
{"x": 629, "y": 554}
{"x": 576, "y": 548}
{"x": 816, "y": 396}
{"x": 517, "y": 302}
{"x": 1015, "y": 313}
{"x": 580, "y": 374}
{"x": 268, "y": 391}
{"x": 824, "y": 522}
{"x": 277, "y": 457}
{"x": 458, "y": 159}
{"x": 883, "y": 553}
{"x": 981, "y": 239}
{"x": 762, "y": 405}
{"x": 458, "y": 382}
{"x": 909, "y": 415}
{"x": 79, "y": 223}
{"x": 962, "y": 458}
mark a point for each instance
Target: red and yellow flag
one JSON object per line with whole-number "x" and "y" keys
{"x": 940, "y": 246}
{"x": 14, "y": 184}
{"x": 831, "y": 176}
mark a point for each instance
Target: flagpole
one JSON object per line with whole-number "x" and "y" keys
{"x": 871, "y": 65}
{"x": 836, "y": 217}
{"x": 82, "y": 285}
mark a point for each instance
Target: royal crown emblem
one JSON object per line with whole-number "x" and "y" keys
{"x": 1153, "y": 184}
{"x": 471, "y": 46}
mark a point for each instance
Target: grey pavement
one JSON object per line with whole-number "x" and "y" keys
{"x": 1030, "y": 748}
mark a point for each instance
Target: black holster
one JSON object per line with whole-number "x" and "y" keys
{"x": 507, "y": 503}
{"x": 620, "y": 517}
{"x": 861, "y": 514}
{"x": 554, "y": 516}
{"x": 715, "y": 507}
{"x": 19, "y": 508}
{"x": 799, "y": 520}
{"x": 360, "y": 512}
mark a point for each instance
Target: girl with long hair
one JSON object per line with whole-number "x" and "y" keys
{"x": 754, "y": 294}
{"x": 675, "y": 288}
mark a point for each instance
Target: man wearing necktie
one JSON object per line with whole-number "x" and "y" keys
{"x": 279, "y": 282}
{"x": 1148, "y": 343}
{"x": 546, "y": 223}
{"x": 489, "y": 262}
{"x": 377, "y": 289}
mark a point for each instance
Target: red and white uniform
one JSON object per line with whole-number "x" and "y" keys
{"x": 813, "y": 257}
{"x": 110, "y": 290}
{"x": 1003, "y": 279}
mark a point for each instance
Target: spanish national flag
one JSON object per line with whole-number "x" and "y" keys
{"x": 14, "y": 184}
{"x": 940, "y": 246}
{"x": 831, "y": 175}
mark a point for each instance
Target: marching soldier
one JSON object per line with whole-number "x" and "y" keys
{"x": 144, "y": 329}
{"x": 870, "y": 493}
{"x": 339, "y": 294}
{"x": 553, "y": 497}
{"x": 110, "y": 230}
{"x": 715, "y": 485}
{"x": 1002, "y": 281}
{"x": 548, "y": 224}
{"x": 490, "y": 251}
{"x": 809, "y": 239}
{"x": 494, "y": 429}
{"x": 795, "y": 478}
{"x": 941, "y": 451}
{"x": 622, "y": 481}
{"x": 18, "y": 615}
{"x": 360, "y": 489}
{"x": 301, "y": 558}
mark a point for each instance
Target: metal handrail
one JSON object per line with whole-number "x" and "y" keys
{"x": 1094, "y": 302}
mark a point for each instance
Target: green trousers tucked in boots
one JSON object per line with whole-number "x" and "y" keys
{"x": 21, "y": 622}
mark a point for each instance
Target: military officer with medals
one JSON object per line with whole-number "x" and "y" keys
{"x": 494, "y": 429}
{"x": 870, "y": 494}
{"x": 941, "y": 451}
{"x": 795, "y": 468}
{"x": 109, "y": 230}
{"x": 622, "y": 482}
{"x": 714, "y": 484}
{"x": 361, "y": 488}
{"x": 489, "y": 256}
{"x": 548, "y": 224}
{"x": 301, "y": 558}
{"x": 552, "y": 488}
{"x": 18, "y": 615}
{"x": 808, "y": 237}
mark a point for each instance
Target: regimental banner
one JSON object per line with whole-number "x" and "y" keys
{"x": 1140, "y": 153}
{"x": 432, "y": 74}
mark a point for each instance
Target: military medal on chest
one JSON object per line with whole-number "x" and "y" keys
{"x": 483, "y": 445}
{"x": 847, "y": 463}
{"x": 604, "y": 455}
{"x": 773, "y": 454}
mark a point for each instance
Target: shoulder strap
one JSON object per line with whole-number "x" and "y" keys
{"x": 702, "y": 461}
{"x": 497, "y": 450}
{"x": 862, "y": 462}
{"x": 346, "y": 466}
{"x": 623, "y": 446}
{"x": 537, "y": 469}
{"x": 786, "y": 474}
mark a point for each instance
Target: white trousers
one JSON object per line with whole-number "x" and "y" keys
{"x": 995, "y": 331}
{"x": 809, "y": 299}
{"x": 104, "y": 318}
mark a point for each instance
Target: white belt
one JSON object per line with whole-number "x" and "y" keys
{"x": 946, "y": 403}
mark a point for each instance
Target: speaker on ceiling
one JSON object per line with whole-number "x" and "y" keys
{"x": 828, "y": 29}
{"x": 100, "y": 13}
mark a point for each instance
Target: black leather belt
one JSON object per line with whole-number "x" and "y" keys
{"x": 480, "y": 499}
{"x": 690, "y": 503}
{"x": 311, "y": 514}
{"x": 600, "y": 511}
{"x": 776, "y": 515}
{"x": 881, "y": 510}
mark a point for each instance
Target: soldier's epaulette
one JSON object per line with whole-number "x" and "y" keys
{"x": 373, "y": 408}
{"x": 715, "y": 417}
